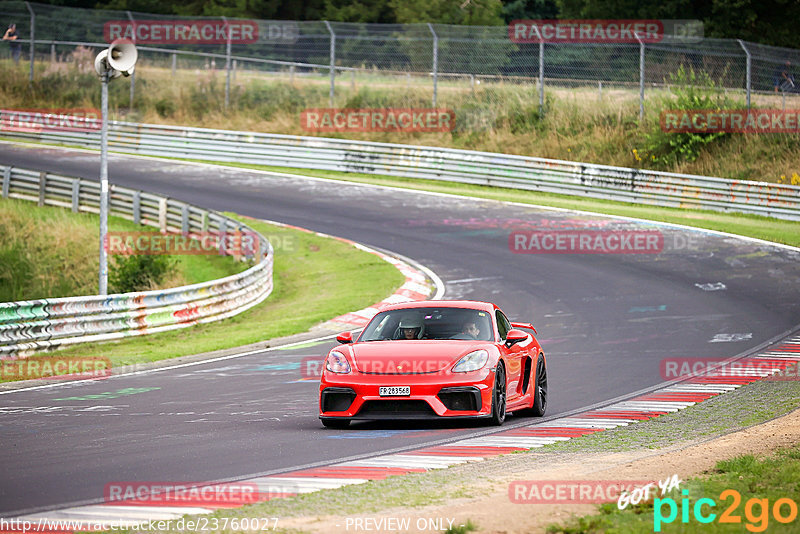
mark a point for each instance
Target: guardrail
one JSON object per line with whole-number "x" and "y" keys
{"x": 465, "y": 166}
{"x": 47, "y": 324}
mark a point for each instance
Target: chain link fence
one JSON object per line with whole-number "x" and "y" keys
{"x": 427, "y": 64}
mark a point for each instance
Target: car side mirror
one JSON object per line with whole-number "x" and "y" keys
{"x": 345, "y": 337}
{"x": 514, "y": 336}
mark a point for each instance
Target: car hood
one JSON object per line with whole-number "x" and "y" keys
{"x": 409, "y": 357}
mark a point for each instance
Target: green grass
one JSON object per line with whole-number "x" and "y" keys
{"x": 752, "y": 478}
{"x": 51, "y": 252}
{"x": 315, "y": 279}
{"x": 777, "y": 230}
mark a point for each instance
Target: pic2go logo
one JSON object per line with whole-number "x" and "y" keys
{"x": 756, "y": 511}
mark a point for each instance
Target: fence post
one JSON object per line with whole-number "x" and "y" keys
{"x": 332, "y": 68}
{"x": 435, "y": 62}
{"x": 133, "y": 74}
{"x": 641, "y": 76}
{"x": 749, "y": 65}
{"x": 227, "y": 62}
{"x": 174, "y": 63}
{"x": 52, "y": 52}
{"x": 541, "y": 75}
{"x": 33, "y": 36}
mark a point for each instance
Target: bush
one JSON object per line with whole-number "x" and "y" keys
{"x": 692, "y": 91}
{"x": 139, "y": 272}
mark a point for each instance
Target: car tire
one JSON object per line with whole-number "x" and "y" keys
{"x": 334, "y": 422}
{"x": 540, "y": 388}
{"x": 499, "y": 396}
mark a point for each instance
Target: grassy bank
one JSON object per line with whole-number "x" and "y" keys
{"x": 315, "y": 279}
{"x": 51, "y": 252}
{"x": 581, "y": 123}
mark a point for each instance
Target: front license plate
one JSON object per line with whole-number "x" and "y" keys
{"x": 394, "y": 391}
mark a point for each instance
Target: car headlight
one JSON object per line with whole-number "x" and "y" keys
{"x": 471, "y": 362}
{"x": 337, "y": 363}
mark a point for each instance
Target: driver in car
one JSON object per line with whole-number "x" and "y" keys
{"x": 410, "y": 328}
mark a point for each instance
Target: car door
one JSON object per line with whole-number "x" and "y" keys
{"x": 514, "y": 357}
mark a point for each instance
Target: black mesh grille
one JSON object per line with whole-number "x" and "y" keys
{"x": 462, "y": 399}
{"x": 337, "y": 399}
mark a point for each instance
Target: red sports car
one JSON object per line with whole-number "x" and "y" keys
{"x": 430, "y": 359}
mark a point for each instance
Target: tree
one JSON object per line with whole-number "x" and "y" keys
{"x": 359, "y": 11}
{"x": 468, "y": 12}
{"x": 530, "y": 9}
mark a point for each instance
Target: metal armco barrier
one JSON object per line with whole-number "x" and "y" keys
{"x": 465, "y": 166}
{"x": 38, "y": 325}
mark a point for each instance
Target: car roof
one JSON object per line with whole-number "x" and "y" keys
{"x": 470, "y": 304}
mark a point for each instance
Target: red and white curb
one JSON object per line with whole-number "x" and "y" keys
{"x": 666, "y": 400}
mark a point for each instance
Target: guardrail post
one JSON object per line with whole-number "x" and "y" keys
{"x": 137, "y": 207}
{"x": 76, "y": 195}
{"x": 185, "y": 219}
{"x": 162, "y": 214}
{"x": 223, "y": 229}
{"x": 33, "y": 36}
{"x": 332, "y": 68}
{"x": 133, "y": 74}
{"x": 227, "y": 63}
{"x": 204, "y": 221}
{"x": 42, "y": 187}
{"x": 6, "y": 181}
{"x": 749, "y": 66}
{"x": 435, "y": 62}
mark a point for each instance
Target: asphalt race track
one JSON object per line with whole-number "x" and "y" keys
{"x": 606, "y": 322}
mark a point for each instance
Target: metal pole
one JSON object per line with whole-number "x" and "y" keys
{"x": 227, "y": 63}
{"x": 133, "y": 74}
{"x": 641, "y": 76}
{"x": 174, "y": 63}
{"x": 33, "y": 36}
{"x": 52, "y": 52}
{"x": 541, "y": 76}
{"x": 749, "y": 65}
{"x": 104, "y": 186}
{"x": 332, "y": 68}
{"x": 435, "y": 63}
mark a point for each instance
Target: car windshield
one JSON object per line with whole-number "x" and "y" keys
{"x": 430, "y": 323}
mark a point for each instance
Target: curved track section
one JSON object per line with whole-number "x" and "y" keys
{"x": 607, "y": 322}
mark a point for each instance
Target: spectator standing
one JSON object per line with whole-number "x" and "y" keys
{"x": 12, "y": 37}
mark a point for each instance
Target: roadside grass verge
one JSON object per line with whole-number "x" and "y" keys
{"x": 51, "y": 252}
{"x": 767, "y": 228}
{"x": 315, "y": 279}
{"x": 759, "y": 483}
